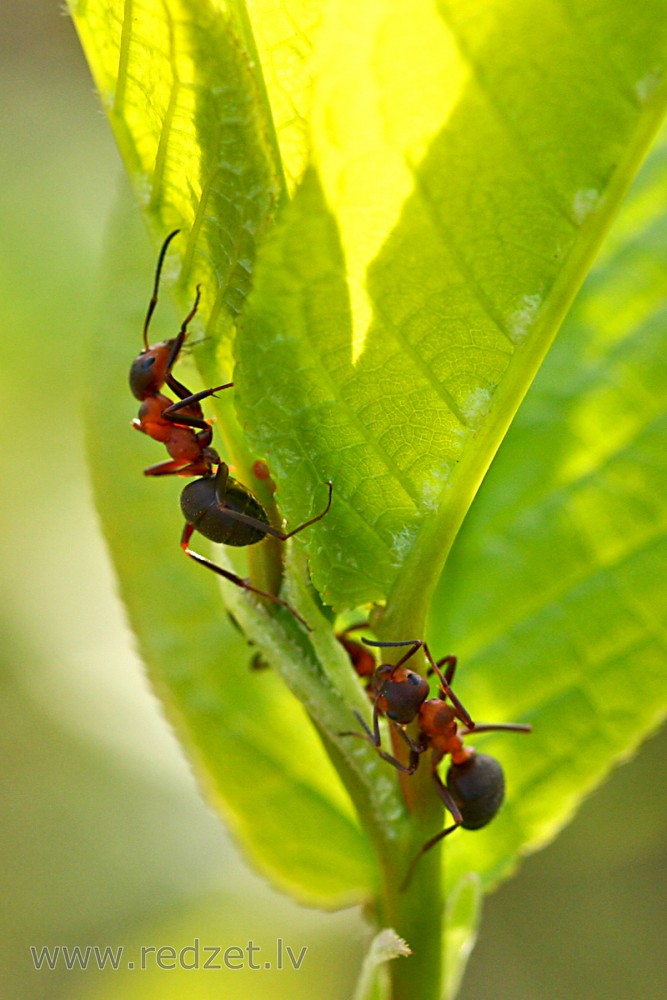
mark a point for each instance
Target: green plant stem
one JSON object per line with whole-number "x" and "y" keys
{"x": 416, "y": 913}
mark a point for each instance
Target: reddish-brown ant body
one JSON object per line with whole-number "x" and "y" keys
{"x": 361, "y": 657}
{"x": 218, "y": 506}
{"x": 475, "y": 784}
{"x": 180, "y": 425}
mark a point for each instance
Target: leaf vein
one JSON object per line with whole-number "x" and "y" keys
{"x": 530, "y": 163}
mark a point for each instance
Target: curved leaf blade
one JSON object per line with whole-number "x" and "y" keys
{"x": 552, "y": 596}
{"x": 181, "y": 85}
{"x": 398, "y": 378}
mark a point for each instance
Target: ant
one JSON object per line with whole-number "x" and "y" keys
{"x": 180, "y": 426}
{"x": 218, "y": 506}
{"x": 475, "y": 785}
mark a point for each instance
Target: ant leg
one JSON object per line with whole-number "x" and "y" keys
{"x": 173, "y": 468}
{"x": 176, "y": 387}
{"x": 462, "y": 712}
{"x": 195, "y": 397}
{"x": 221, "y": 477}
{"x": 306, "y": 524}
{"x": 451, "y": 662}
{"x": 177, "y": 467}
{"x": 233, "y": 578}
{"x": 446, "y": 797}
{"x": 170, "y": 467}
{"x": 158, "y": 270}
{"x": 403, "y": 768}
{"x": 417, "y": 644}
{"x": 422, "y": 850}
{"x": 220, "y": 488}
{"x": 450, "y": 805}
{"x": 414, "y": 643}
{"x": 171, "y": 413}
{"x": 494, "y": 727}
{"x": 374, "y": 737}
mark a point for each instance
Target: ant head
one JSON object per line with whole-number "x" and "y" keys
{"x": 400, "y": 692}
{"x": 477, "y": 785}
{"x": 149, "y": 370}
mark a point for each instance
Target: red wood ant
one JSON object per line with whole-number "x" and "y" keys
{"x": 475, "y": 785}
{"x": 180, "y": 425}
{"x": 216, "y": 505}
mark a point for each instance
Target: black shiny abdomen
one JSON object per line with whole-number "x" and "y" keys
{"x": 478, "y": 788}
{"x": 201, "y": 509}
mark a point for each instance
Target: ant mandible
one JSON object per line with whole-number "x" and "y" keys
{"x": 218, "y": 506}
{"x": 180, "y": 426}
{"x": 475, "y": 785}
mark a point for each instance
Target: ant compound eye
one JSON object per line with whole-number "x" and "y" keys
{"x": 478, "y": 788}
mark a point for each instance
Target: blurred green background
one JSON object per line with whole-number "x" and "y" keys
{"x": 104, "y": 835}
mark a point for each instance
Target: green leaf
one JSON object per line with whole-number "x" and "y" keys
{"x": 408, "y": 294}
{"x": 285, "y": 35}
{"x": 552, "y": 596}
{"x": 454, "y": 167}
{"x": 182, "y": 87}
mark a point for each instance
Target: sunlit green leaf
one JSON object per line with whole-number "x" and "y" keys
{"x": 408, "y": 294}
{"x": 189, "y": 111}
{"x": 553, "y": 596}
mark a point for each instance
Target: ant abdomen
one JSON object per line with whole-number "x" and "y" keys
{"x": 202, "y": 510}
{"x": 477, "y": 785}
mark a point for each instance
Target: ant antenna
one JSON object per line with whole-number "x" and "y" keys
{"x": 153, "y": 302}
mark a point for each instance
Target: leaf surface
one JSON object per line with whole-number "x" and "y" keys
{"x": 553, "y": 597}
{"x": 409, "y": 292}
